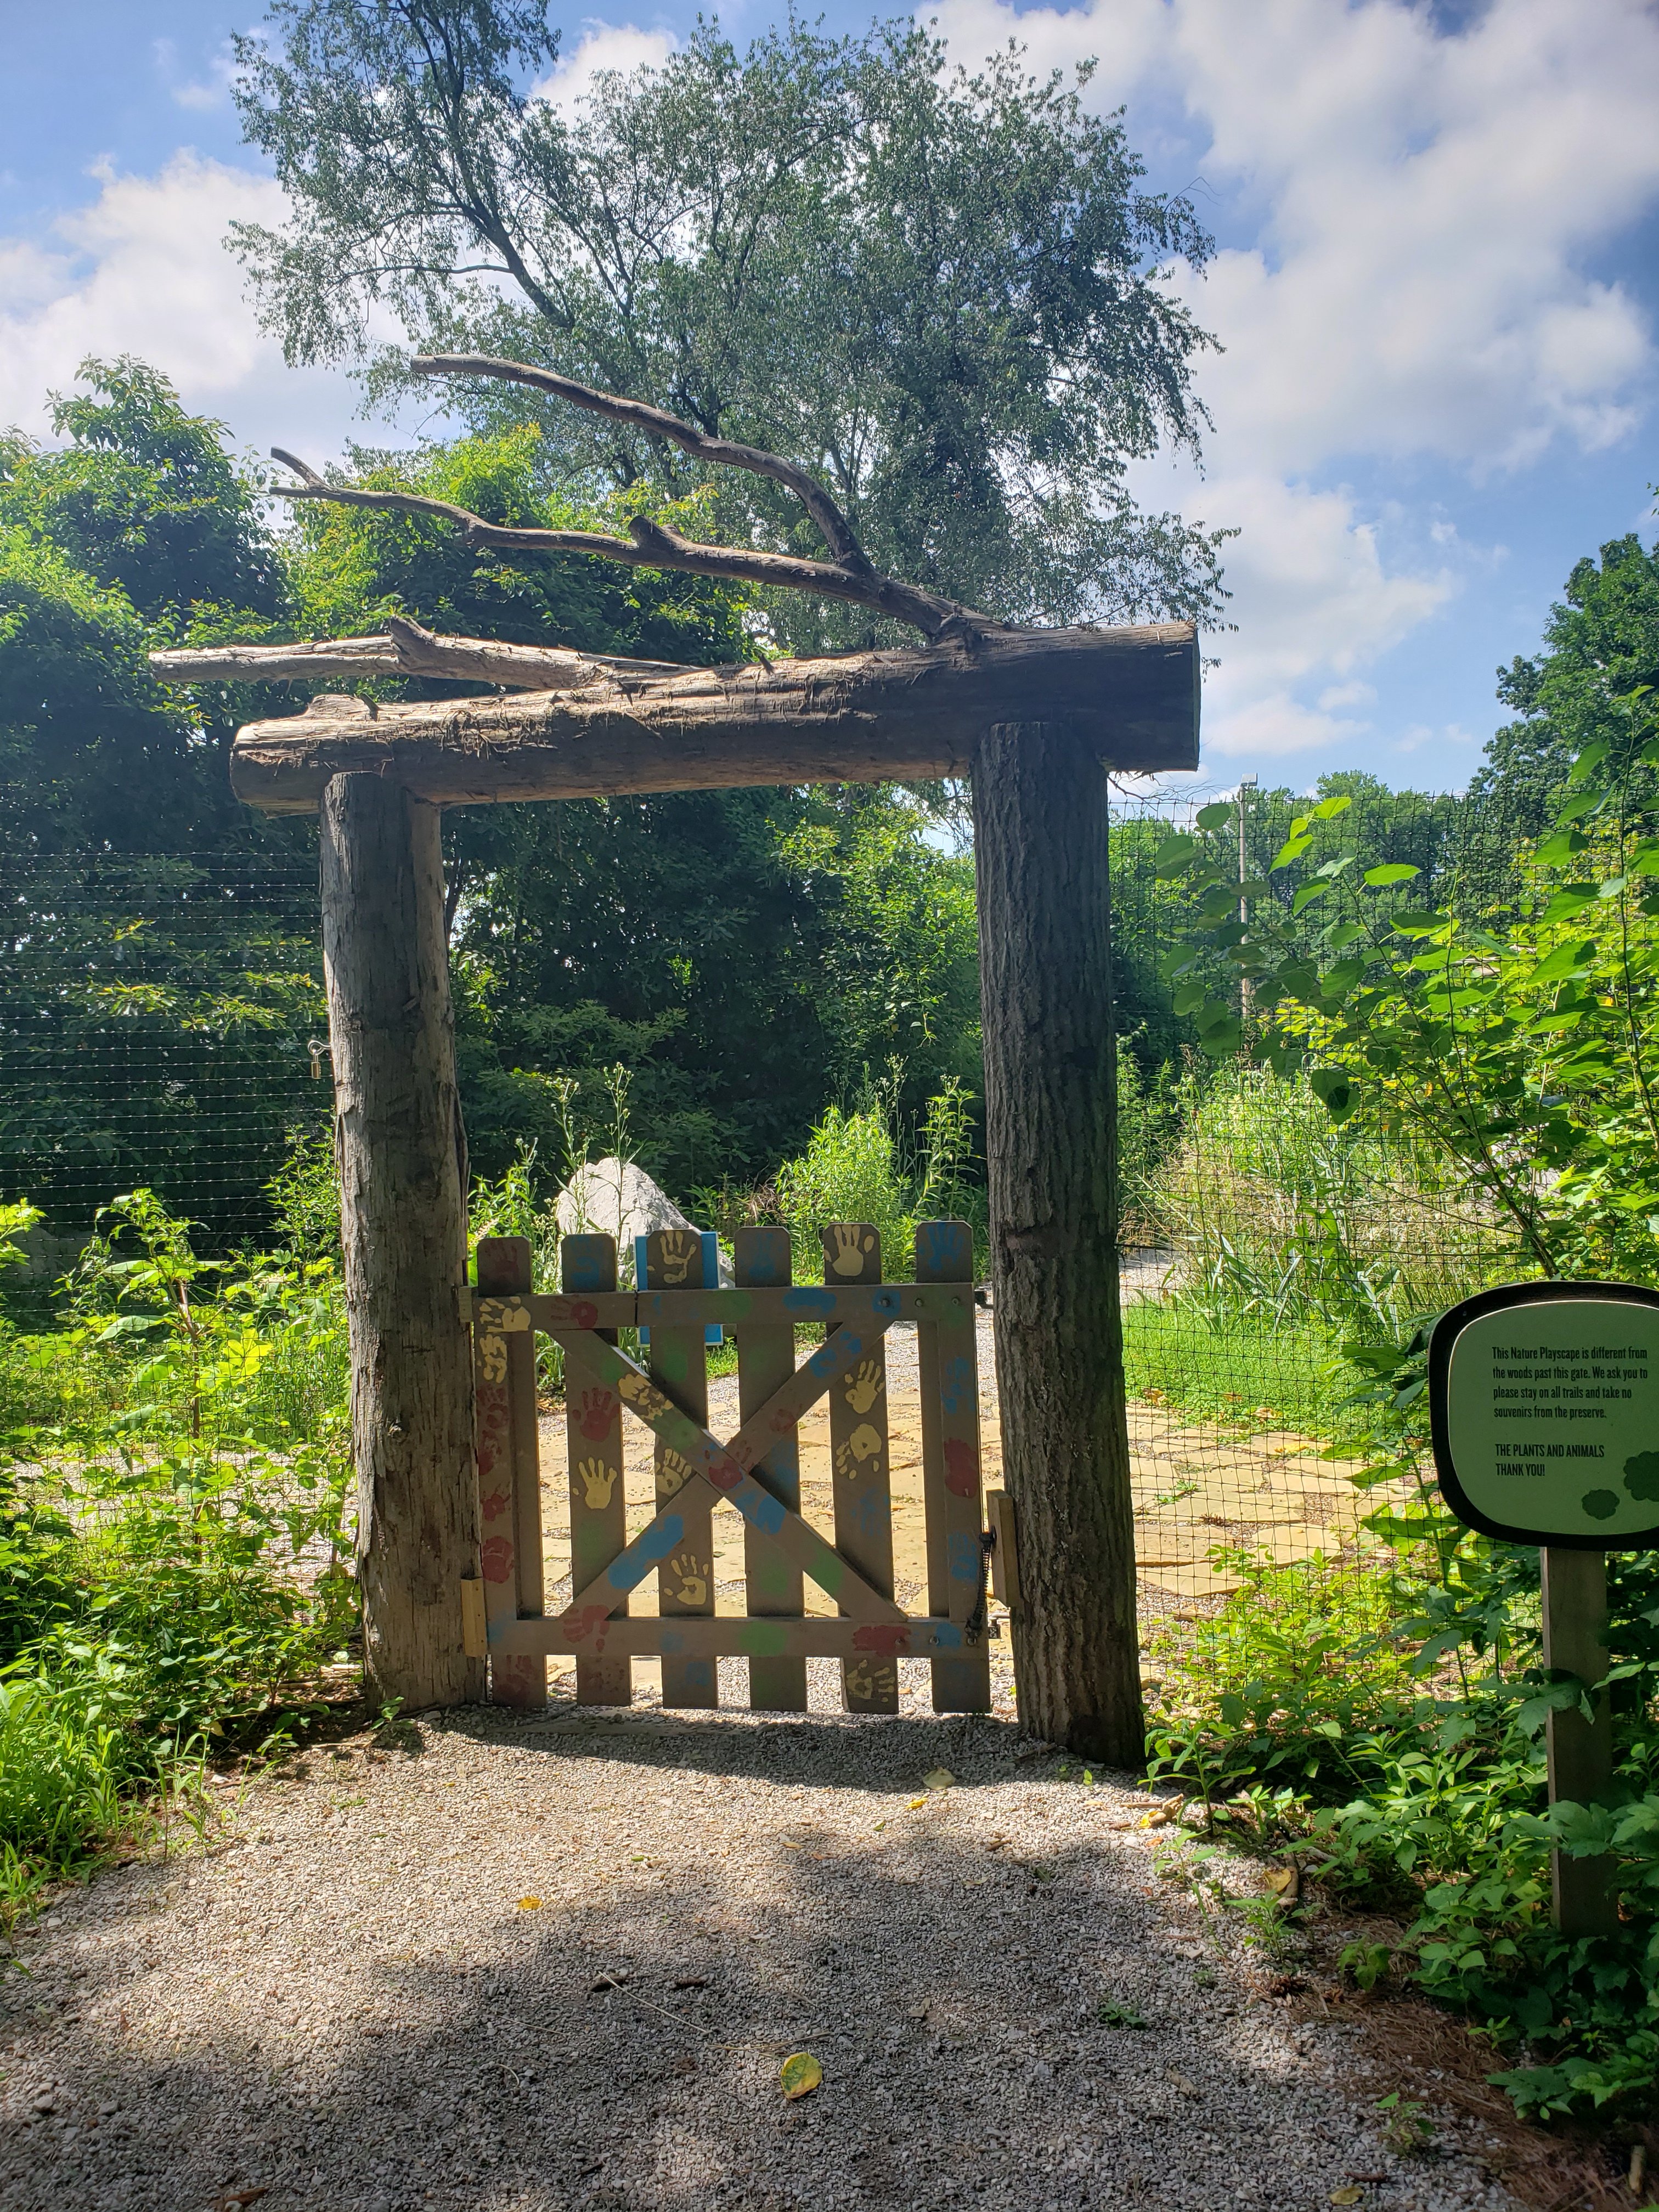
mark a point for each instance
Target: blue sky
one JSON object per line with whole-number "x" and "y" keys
{"x": 1437, "y": 286}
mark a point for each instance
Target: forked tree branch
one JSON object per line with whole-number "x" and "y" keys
{"x": 849, "y": 576}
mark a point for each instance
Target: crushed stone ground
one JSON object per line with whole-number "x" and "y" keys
{"x": 351, "y": 2002}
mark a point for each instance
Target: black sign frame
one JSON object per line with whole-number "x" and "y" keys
{"x": 1446, "y": 1332}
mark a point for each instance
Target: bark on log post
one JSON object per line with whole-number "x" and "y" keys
{"x": 1041, "y": 858}
{"x": 402, "y": 1191}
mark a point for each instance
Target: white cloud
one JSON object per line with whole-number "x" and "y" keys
{"x": 201, "y": 94}
{"x": 619, "y": 46}
{"x": 1417, "y": 212}
{"x": 143, "y": 269}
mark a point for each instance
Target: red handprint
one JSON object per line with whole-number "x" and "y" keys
{"x": 598, "y": 1408}
{"x": 961, "y": 1467}
{"x": 878, "y": 1637}
{"x": 496, "y": 1559}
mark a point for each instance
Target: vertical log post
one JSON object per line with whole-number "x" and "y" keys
{"x": 398, "y": 1141}
{"x": 1042, "y": 852}
{"x": 1575, "y": 1594}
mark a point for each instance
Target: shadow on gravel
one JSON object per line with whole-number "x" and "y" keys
{"x": 622, "y": 2054}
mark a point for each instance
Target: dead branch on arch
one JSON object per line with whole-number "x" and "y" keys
{"x": 407, "y": 649}
{"x": 848, "y": 575}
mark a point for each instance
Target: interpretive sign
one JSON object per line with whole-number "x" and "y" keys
{"x": 1544, "y": 1399}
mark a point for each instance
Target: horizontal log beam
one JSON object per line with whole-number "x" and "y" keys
{"x": 1132, "y": 694}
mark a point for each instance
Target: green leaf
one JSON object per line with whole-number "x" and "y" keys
{"x": 1291, "y": 849}
{"x": 1328, "y": 809}
{"x": 1562, "y": 961}
{"x": 1417, "y": 921}
{"x": 1391, "y": 872}
{"x": 1306, "y": 897}
{"x": 1173, "y": 854}
{"x": 1592, "y": 757}
{"x": 1191, "y": 994}
{"x": 1555, "y": 852}
{"x": 1337, "y": 983}
{"x": 1644, "y": 861}
{"x": 1569, "y": 900}
{"x": 1219, "y": 1032}
{"x": 1335, "y": 1087}
{"x": 1216, "y": 815}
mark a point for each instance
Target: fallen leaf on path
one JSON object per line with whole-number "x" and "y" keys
{"x": 692, "y": 1981}
{"x": 940, "y": 1777}
{"x": 235, "y": 2200}
{"x": 1284, "y": 1882}
{"x": 799, "y": 2074}
{"x": 916, "y": 1804}
{"x": 917, "y": 2012}
{"x": 1187, "y": 2088}
{"x": 1349, "y": 2195}
{"x": 530, "y": 1904}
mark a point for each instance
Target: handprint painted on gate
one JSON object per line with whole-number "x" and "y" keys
{"x": 864, "y": 1387}
{"x": 598, "y": 1480}
{"x": 853, "y": 1245}
{"x": 492, "y": 1359}
{"x": 694, "y": 1579}
{"x": 673, "y": 1472}
{"x": 955, "y": 1384}
{"x": 863, "y": 1443}
{"x": 596, "y": 1408}
{"x": 644, "y": 1397}
{"x": 675, "y": 1251}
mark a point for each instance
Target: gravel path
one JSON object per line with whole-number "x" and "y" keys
{"x": 554, "y": 1965}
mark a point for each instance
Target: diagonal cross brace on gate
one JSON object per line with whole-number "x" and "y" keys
{"x": 724, "y": 1470}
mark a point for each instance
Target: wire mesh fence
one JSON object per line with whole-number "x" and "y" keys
{"x": 161, "y": 1018}
{"x": 158, "y": 1019}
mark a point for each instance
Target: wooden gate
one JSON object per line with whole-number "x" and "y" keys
{"x": 756, "y": 1471}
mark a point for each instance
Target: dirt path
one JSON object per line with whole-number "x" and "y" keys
{"x": 554, "y": 1966}
{"x": 1195, "y": 1486}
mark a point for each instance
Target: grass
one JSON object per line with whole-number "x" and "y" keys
{"x": 1237, "y": 1371}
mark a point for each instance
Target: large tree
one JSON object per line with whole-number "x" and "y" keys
{"x": 944, "y": 295}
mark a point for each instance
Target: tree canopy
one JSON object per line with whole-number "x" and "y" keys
{"x": 943, "y": 293}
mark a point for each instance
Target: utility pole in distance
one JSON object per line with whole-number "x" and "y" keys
{"x": 1246, "y": 785}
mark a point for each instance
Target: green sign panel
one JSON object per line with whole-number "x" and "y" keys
{"x": 1544, "y": 1401}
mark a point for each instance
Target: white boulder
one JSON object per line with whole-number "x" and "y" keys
{"x": 616, "y": 1198}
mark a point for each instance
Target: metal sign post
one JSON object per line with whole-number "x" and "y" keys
{"x": 1545, "y": 1403}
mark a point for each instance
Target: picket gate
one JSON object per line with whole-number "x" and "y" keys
{"x": 756, "y": 1470}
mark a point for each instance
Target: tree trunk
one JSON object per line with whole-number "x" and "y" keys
{"x": 1040, "y": 857}
{"x": 850, "y": 718}
{"x": 402, "y": 1199}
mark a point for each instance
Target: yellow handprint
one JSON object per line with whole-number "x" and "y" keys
{"x": 694, "y": 1580}
{"x": 863, "y": 1443}
{"x": 870, "y": 1679}
{"x": 865, "y": 1388}
{"x": 672, "y": 1472}
{"x": 492, "y": 1359}
{"x": 851, "y": 1243}
{"x": 598, "y": 1480}
{"x": 644, "y": 1397}
{"x": 676, "y": 1249}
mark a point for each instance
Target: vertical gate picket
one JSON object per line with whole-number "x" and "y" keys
{"x": 686, "y": 1581}
{"x": 860, "y": 1462}
{"x": 766, "y": 1360}
{"x": 947, "y": 1356}
{"x": 509, "y": 1467}
{"x": 593, "y": 1438}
